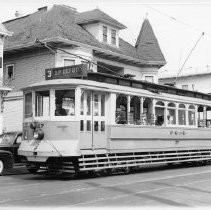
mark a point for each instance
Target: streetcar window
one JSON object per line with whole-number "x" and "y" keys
{"x": 102, "y": 105}
{"x": 96, "y": 105}
{"x": 88, "y": 103}
{"x": 102, "y": 125}
{"x": 88, "y": 125}
{"x": 28, "y": 105}
{"x": 181, "y": 115}
{"x": 82, "y": 104}
{"x": 149, "y": 117}
{"x": 171, "y": 114}
{"x": 191, "y": 115}
{"x": 82, "y": 125}
{"x": 96, "y": 126}
{"x": 159, "y": 113}
{"x": 65, "y": 102}
{"x": 121, "y": 109}
{"x": 42, "y": 103}
{"x": 208, "y": 120}
{"x": 201, "y": 122}
{"x": 134, "y": 110}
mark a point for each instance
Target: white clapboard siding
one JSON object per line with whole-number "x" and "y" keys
{"x": 13, "y": 112}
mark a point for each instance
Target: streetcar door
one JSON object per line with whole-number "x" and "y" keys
{"x": 92, "y": 120}
{"x": 98, "y": 120}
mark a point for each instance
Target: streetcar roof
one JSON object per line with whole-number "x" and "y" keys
{"x": 102, "y": 81}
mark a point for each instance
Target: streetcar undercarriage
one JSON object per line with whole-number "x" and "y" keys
{"x": 111, "y": 162}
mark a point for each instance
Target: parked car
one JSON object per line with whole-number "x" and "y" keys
{"x": 10, "y": 141}
{"x": 6, "y": 161}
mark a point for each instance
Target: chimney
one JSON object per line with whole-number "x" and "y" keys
{"x": 18, "y": 14}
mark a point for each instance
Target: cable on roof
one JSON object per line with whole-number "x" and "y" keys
{"x": 50, "y": 48}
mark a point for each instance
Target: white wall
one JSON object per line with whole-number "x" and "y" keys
{"x": 80, "y": 51}
{"x": 13, "y": 112}
{"x": 202, "y": 83}
{"x": 94, "y": 29}
{"x": 140, "y": 72}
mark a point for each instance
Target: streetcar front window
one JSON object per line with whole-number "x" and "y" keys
{"x": 42, "y": 103}
{"x": 28, "y": 105}
{"x": 65, "y": 102}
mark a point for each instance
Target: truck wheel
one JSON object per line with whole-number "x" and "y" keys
{"x": 1, "y": 167}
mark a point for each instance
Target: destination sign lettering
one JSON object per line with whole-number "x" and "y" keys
{"x": 66, "y": 72}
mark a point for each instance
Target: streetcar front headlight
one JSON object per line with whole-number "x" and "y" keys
{"x": 38, "y": 134}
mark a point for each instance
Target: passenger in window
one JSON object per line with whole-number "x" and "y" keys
{"x": 170, "y": 119}
{"x": 59, "y": 110}
{"x": 160, "y": 120}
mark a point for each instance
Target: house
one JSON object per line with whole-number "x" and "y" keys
{"x": 196, "y": 81}
{"x": 90, "y": 37}
{"x": 3, "y": 89}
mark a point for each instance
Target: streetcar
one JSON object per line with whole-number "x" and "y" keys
{"x": 82, "y": 121}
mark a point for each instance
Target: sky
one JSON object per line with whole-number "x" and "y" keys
{"x": 178, "y": 26}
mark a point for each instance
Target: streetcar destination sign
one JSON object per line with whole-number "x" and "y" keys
{"x": 66, "y": 72}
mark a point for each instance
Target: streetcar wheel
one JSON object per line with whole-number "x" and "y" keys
{"x": 126, "y": 171}
{"x": 33, "y": 168}
{"x": 1, "y": 167}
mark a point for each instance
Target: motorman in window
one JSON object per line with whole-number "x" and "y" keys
{"x": 59, "y": 110}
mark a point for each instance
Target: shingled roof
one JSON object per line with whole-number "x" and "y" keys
{"x": 147, "y": 44}
{"x": 61, "y": 22}
{"x": 97, "y": 15}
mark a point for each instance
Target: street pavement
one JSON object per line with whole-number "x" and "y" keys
{"x": 149, "y": 187}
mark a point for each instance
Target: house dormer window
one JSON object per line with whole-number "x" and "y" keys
{"x": 113, "y": 37}
{"x": 105, "y": 34}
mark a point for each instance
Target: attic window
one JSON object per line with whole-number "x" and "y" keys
{"x": 105, "y": 33}
{"x": 113, "y": 36}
